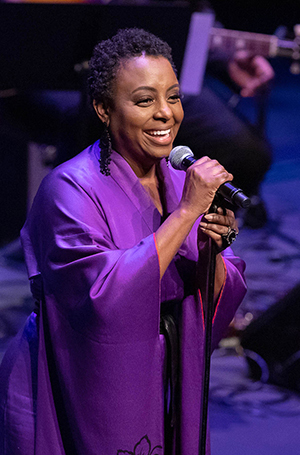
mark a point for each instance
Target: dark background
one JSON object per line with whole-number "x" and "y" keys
{"x": 257, "y": 16}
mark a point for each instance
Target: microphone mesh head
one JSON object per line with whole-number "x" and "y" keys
{"x": 177, "y": 156}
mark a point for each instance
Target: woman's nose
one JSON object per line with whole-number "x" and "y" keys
{"x": 164, "y": 110}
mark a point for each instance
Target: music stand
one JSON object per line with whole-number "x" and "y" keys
{"x": 196, "y": 51}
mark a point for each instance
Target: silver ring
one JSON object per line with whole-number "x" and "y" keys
{"x": 230, "y": 236}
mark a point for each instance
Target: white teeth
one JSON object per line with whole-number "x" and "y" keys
{"x": 161, "y": 133}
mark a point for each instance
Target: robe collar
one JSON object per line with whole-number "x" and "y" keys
{"x": 126, "y": 179}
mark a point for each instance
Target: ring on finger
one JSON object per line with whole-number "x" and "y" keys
{"x": 230, "y": 236}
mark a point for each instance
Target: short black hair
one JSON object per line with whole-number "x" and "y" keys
{"x": 107, "y": 56}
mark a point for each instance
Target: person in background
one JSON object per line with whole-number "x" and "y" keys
{"x": 213, "y": 126}
{"x": 117, "y": 246}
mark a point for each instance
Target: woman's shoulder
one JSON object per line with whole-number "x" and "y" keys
{"x": 73, "y": 177}
{"x": 85, "y": 162}
{"x": 81, "y": 168}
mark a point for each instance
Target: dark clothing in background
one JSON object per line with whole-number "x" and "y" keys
{"x": 212, "y": 128}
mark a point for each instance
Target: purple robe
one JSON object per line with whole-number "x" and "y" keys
{"x": 85, "y": 375}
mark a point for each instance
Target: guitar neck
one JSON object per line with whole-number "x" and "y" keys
{"x": 230, "y": 41}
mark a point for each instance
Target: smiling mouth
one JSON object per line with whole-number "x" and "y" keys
{"x": 159, "y": 133}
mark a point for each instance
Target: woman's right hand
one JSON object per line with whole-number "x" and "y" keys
{"x": 202, "y": 181}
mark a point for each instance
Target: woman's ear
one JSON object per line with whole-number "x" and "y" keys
{"x": 102, "y": 112}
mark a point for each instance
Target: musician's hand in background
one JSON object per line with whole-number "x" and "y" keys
{"x": 252, "y": 73}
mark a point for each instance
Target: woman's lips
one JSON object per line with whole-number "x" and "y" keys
{"x": 159, "y": 135}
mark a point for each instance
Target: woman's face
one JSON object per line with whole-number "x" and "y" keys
{"x": 146, "y": 112}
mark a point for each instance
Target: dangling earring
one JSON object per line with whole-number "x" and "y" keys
{"x": 105, "y": 152}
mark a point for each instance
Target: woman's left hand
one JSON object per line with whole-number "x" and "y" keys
{"x": 222, "y": 227}
{"x": 253, "y": 73}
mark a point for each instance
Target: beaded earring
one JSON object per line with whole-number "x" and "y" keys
{"x": 105, "y": 153}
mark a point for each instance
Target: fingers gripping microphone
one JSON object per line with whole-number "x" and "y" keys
{"x": 182, "y": 157}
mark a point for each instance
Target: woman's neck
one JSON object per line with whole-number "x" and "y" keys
{"x": 151, "y": 184}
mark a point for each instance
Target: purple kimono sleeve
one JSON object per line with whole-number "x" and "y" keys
{"x": 105, "y": 288}
{"x": 192, "y": 347}
{"x": 107, "y": 294}
{"x": 232, "y": 294}
{"x": 100, "y": 351}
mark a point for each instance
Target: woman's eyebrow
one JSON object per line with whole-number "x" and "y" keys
{"x": 174, "y": 86}
{"x": 146, "y": 87}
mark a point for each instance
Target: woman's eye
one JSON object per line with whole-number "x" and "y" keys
{"x": 144, "y": 102}
{"x": 175, "y": 98}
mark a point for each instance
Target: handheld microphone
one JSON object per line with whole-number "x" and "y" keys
{"x": 182, "y": 157}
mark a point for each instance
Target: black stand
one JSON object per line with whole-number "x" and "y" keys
{"x": 207, "y": 349}
{"x": 208, "y": 335}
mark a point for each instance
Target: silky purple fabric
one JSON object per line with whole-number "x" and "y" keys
{"x": 85, "y": 376}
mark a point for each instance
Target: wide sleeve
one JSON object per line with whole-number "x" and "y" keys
{"x": 101, "y": 355}
{"x": 94, "y": 283}
{"x": 233, "y": 289}
{"x": 232, "y": 293}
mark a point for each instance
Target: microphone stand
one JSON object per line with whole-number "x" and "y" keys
{"x": 208, "y": 335}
